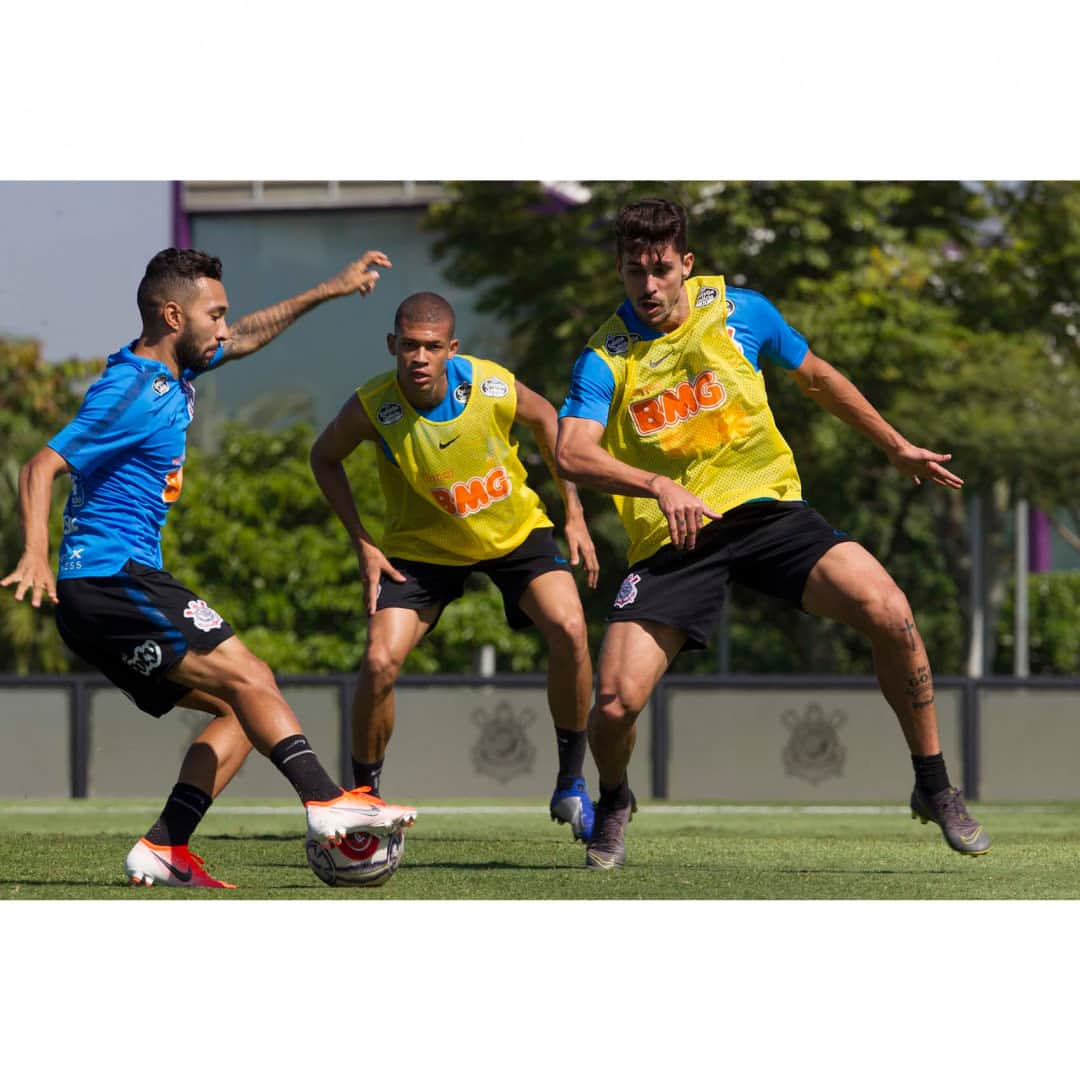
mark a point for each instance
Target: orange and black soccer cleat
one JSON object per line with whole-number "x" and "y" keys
{"x": 165, "y": 864}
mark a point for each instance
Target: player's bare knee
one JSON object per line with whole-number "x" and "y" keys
{"x": 888, "y": 613}
{"x": 245, "y": 675}
{"x": 568, "y": 637}
{"x": 617, "y": 708}
{"x": 380, "y": 668}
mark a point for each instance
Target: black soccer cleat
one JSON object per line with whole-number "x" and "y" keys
{"x": 948, "y": 810}
{"x": 606, "y": 850}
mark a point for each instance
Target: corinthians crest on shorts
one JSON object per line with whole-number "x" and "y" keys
{"x": 627, "y": 590}
{"x": 202, "y": 615}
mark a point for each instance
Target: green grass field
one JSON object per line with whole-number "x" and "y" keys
{"x": 75, "y": 850}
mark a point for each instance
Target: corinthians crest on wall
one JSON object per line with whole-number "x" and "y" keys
{"x": 503, "y": 748}
{"x": 814, "y": 751}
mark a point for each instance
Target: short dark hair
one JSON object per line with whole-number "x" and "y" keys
{"x": 648, "y": 224}
{"x": 423, "y": 307}
{"x": 171, "y": 273}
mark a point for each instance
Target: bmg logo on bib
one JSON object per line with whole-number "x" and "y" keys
{"x": 675, "y": 406}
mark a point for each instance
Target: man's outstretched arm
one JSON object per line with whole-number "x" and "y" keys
{"x": 338, "y": 440}
{"x": 837, "y": 394}
{"x": 33, "y": 573}
{"x": 253, "y": 331}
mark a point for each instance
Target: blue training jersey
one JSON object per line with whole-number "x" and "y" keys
{"x": 756, "y": 327}
{"x": 126, "y": 449}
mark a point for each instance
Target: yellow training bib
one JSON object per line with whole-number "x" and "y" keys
{"x": 688, "y": 405}
{"x": 456, "y": 491}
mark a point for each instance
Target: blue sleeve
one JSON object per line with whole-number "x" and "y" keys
{"x": 780, "y": 344}
{"x": 191, "y": 374}
{"x": 592, "y": 388}
{"x": 109, "y": 421}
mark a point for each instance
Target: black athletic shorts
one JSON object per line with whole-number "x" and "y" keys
{"x": 767, "y": 546}
{"x": 135, "y": 627}
{"x": 432, "y": 583}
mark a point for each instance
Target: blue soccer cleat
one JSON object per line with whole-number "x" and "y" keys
{"x": 573, "y": 806}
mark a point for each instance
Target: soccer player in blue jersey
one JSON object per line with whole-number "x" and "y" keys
{"x": 667, "y": 411}
{"x": 120, "y": 611}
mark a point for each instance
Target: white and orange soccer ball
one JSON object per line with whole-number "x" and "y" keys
{"x": 362, "y": 859}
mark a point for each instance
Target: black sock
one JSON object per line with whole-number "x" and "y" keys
{"x": 615, "y": 798}
{"x": 367, "y": 774}
{"x": 571, "y": 754}
{"x": 930, "y": 774}
{"x": 297, "y": 762}
{"x": 183, "y": 811}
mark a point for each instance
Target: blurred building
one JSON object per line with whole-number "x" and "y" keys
{"x": 277, "y": 238}
{"x": 74, "y": 252}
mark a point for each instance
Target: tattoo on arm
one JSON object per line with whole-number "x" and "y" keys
{"x": 253, "y": 331}
{"x": 909, "y": 629}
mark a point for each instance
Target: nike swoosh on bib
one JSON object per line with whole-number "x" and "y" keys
{"x": 444, "y": 445}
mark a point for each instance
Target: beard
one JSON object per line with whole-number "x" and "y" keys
{"x": 189, "y": 353}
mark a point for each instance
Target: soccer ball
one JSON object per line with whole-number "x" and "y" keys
{"x": 361, "y": 859}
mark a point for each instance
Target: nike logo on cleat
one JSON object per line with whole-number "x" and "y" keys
{"x": 601, "y": 862}
{"x": 180, "y": 875}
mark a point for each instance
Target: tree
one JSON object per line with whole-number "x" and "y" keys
{"x": 897, "y": 284}
{"x": 253, "y": 533}
{"x": 36, "y": 399}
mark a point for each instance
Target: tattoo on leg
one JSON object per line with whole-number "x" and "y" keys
{"x": 919, "y": 683}
{"x": 909, "y": 629}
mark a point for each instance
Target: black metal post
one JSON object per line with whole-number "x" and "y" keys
{"x": 660, "y": 740}
{"x": 79, "y": 737}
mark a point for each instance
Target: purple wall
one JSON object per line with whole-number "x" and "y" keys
{"x": 1039, "y": 559}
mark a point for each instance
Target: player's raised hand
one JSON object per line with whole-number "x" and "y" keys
{"x": 922, "y": 464}
{"x": 373, "y": 564}
{"x": 359, "y": 276}
{"x": 582, "y": 549}
{"x": 685, "y": 512}
{"x": 34, "y": 575}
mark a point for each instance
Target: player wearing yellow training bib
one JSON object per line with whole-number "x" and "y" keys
{"x": 456, "y": 491}
{"x": 692, "y": 405}
{"x": 458, "y": 501}
{"x": 667, "y": 411}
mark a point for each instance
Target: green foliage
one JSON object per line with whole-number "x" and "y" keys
{"x": 1053, "y": 625}
{"x": 950, "y": 305}
{"x": 36, "y": 400}
{"x": 253, "y": 534}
